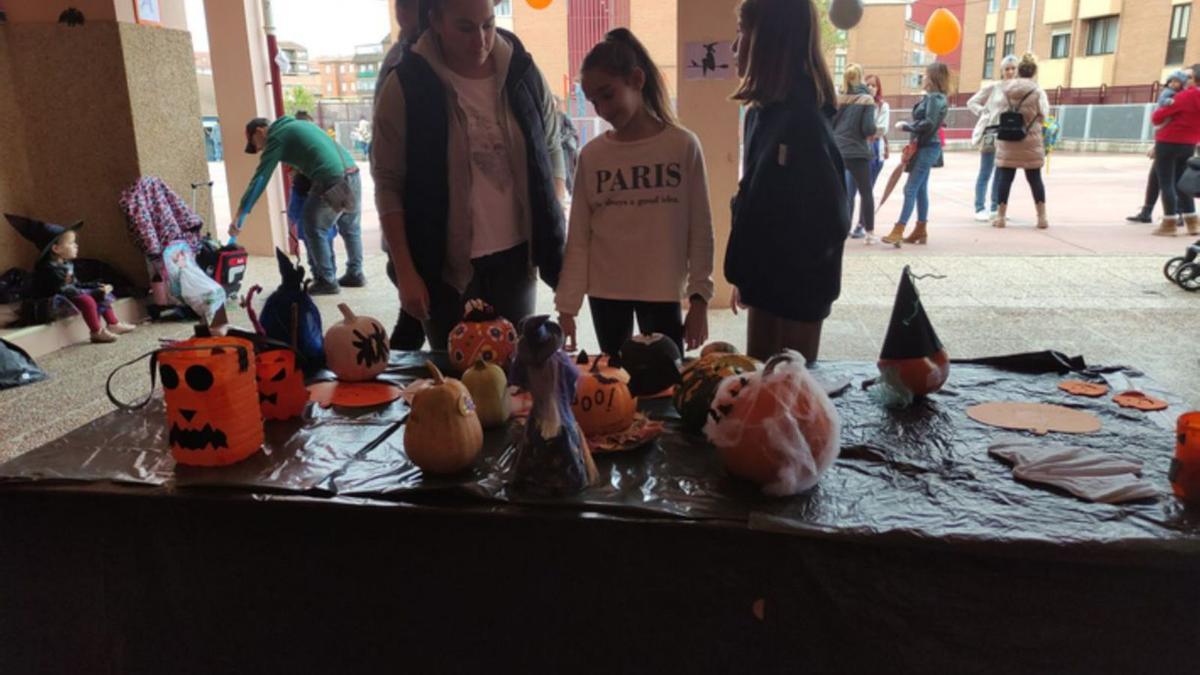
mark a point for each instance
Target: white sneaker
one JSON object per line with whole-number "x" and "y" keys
{"x": 982, "y": 216}
{"x": 870, "y": 239}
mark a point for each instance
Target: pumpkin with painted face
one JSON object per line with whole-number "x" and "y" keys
{"x": 281, "y": 392}
{"x": 602, "y": 404}
{"x": 356, "y": 349}
{"x": 482, "y": 335}
{"x": 213, "y": 413}
{"x": 699, "y": 382}
{"x": 775, "y": 427}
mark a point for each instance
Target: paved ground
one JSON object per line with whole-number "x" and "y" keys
{"x": 1089, "y": 285}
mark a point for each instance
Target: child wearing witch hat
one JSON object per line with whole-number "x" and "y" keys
{"x": 54, "y": 274}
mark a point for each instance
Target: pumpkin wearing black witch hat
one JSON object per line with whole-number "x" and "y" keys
{"x": 912, "y": 357}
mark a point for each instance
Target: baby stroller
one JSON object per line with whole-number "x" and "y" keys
{"x": 1184, "y": 270}
{"x": 157, "y": 218}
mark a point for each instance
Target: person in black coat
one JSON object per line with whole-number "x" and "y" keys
{"x": 790, "y": 216}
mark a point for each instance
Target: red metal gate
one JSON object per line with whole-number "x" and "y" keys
{"x": 587, "y": 22}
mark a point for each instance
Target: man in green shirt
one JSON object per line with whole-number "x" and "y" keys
{"x": 335, "y": 199}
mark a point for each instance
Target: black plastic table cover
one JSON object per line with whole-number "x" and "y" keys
{"x": 916, "y": 551}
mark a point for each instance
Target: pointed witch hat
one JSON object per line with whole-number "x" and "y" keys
{"x": 909, "y": 334}
{"x": 40, "y": 233}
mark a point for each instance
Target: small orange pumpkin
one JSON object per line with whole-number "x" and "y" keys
{"x": 443, "y": 434}
{"x": 356, "y": 348}
{"x": 281, "y": 392}
{"x": 776, "y": 427}
{"x": 482, "y": 335}
{"x": 921, "y": 376}
{"x": 602, "y": 404}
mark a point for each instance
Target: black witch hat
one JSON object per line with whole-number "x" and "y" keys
{"x": 42, "y": 234}
{"x": 909, "y": 335}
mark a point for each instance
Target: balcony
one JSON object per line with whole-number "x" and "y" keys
{"x": 1093, "y": 71}
{"x": 1090, "y": 9}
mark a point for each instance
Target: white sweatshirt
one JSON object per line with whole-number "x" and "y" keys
{"x": 641, "y": 228}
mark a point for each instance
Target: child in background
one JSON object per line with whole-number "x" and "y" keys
{"x": 640, "y": 235}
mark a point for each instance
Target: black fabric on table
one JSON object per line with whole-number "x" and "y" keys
{"x": 916, "y": 552}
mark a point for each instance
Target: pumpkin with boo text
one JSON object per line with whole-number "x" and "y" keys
{"x": 602, "y": 404}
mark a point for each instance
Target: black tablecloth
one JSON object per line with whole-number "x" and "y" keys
{"x": 916, "y": 551}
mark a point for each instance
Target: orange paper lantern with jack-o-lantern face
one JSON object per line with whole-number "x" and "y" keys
{"x": 213, "y": 413}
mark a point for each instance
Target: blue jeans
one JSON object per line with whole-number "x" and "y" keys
{"x": 916, "y": 189}
{"x": 320, "y": 217}
{"x": 987, "y": 172}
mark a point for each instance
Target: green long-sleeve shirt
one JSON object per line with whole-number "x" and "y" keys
{"x": 301, "y": 145}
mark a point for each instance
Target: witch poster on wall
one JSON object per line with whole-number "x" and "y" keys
{"x": 709, "y": 61}
{"x": 147, "y": 12}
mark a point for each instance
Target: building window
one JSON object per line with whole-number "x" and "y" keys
{"x": 328, "y": 88}
{"x": 839, "y": 67}
{"x": 1010, "y": 42}
{"x": 1102, "y": 36}
{"x": 1012, "y": 4}
{"x": 993, "y": 6}
{"x": 1181, "y": 15}
{"x": 1060, "y": 45}
{"x": 504, "y": 8}
{"x": 989, "y": 56}
{"x": 918, "y": 57}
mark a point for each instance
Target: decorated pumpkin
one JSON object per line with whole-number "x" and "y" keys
{"x": 775, "y": 427}
{"x": 610, "y": 366}
{"x": 443, "y": 434}
{"x": 699, "y": 382}
{"x": 281, "y": 392}
{"x": 653, "y": 363}
{"x": 602, "y": 404}
{"x": 489, "y": 389}
{"x": 912, "y": 359}
{"x": 356, "y": 348}
{"x": 718, "y": 348}
{"x": 482, "y": 334}
{"x": 213, "y": 414}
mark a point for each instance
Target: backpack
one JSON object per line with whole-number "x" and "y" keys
{"x": 305, "y": 335}
{"x": 1012, "y": 125}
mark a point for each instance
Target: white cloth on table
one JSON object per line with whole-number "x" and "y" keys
{"x": 1088, "y": 474}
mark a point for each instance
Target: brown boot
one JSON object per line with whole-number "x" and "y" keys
{"x": 919, "y": 235}
{"x": 1001, "y": 219}
{"x": 1041, "y": 211}
{"x": 895, "y": 236}
{"x": 1193, "y": 223}
{"x": 102, "y": 336}
{"x": 1168, "y": 227}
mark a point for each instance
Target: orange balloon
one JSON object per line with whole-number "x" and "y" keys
{"x": 539, "y": 4}
{"x": 943, "y": 32}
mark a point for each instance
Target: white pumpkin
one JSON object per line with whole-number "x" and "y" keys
{"x": 356, "y": 348}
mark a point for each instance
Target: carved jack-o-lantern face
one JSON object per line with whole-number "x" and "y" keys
{"x": 213, "y": 416}
{"x": 482, "y": 335}
{"x": 281, "y": 392}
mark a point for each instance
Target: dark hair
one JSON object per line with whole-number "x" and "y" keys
{"x": 878, "y": 87}
{"x": 618, "y": 55}
{"x": 303, "y": 115}
{"x": 1028, "y": 65}
{"x": 939, "y": 75}
{"x": 785, "y": 50}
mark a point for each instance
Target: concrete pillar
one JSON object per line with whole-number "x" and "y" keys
{"x": 241, "y": 70}
{"x": 87, "y": 110}
{"x": 705, "y": 108}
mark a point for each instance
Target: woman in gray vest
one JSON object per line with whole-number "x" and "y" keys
{"x": 468, "y": 170}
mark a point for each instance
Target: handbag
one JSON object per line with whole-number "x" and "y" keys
{"x": 1189, "y": 183}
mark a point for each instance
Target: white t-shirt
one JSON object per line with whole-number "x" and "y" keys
{"x": 641, "y": 228}
{"x": 493, "y": 198}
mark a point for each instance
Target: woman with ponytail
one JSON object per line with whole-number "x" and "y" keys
{"x": 640, "y": 237}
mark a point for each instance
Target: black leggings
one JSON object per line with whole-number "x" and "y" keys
{"x": 503, "y": 280}
{"x": 1170, "y": 161}
{"x": 613, "y": 320}
{"x": 1151, "y": 190}
{"x": 860, "y": 171}
{"x": 1034, "y": 176}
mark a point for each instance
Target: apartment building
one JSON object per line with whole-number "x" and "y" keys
{"x": 1080, "y": 43}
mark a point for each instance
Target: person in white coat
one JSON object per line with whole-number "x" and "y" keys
{"x": 987, "y": 104}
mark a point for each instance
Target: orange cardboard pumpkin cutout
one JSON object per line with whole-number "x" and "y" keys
{"x": 213, "y": 414}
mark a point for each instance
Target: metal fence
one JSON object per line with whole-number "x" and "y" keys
{"x": 1128, "y": 123}
{"x": 1102, "y": 95}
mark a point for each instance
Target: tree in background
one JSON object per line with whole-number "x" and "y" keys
{"x": 831, "y": 36}
{"x": 298, "y": 98}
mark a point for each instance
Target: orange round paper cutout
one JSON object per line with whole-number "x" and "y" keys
{"x": 353, "y": 394}
{"x": 1139, "y": 401}
{"x": 1081, "y": 388}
